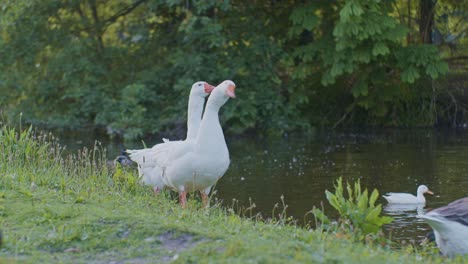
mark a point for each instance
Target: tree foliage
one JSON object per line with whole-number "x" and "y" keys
{"x": 128, "y": 65}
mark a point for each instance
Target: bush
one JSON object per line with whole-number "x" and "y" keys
{"x": 358, "y": 212}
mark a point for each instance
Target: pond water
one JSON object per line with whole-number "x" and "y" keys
{"x": 300, "y": 168}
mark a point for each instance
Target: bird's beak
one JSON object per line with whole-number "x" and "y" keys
{"x": 208, "y": 88}
{"x": 429, "y": 192}
{"x": 231, "y": 91}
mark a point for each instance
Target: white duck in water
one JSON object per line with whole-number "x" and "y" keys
{"x": 148, "y": 170}
{"x": 200, "y": 167}
{"x": 450, "y": 224}
{"x": 407, "y": 198}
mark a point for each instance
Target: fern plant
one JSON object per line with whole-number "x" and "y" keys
{"x": 358, "y": 211}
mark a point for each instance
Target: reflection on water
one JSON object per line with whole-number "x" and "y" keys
{"x": 302, "y": 167}
{"x": 398, "y": 209}
{"x": 405, "y": 224}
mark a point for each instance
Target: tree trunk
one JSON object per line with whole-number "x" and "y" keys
{"x": 97, "y": 27}
{"x": 426, "y": 19}
{"x": 408, "y": 36}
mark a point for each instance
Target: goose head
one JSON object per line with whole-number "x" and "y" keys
{"x": 201, "y": 89}
{"x": 222, "y": 93}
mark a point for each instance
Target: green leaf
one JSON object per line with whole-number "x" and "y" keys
{"x": 380, "y": 49}
{"x": 332, "y": 199}
{"x": 409, "y": 75}
{"x": 360, "y": 88}
{"x": 373, "y": 198}
{"x": 337, "y": 69}
{"x": 320, "y": 216}
{"x": 373, "y": 214}
{"x": 362, "y": 200}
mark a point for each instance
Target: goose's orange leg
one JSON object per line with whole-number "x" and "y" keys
{"x": 205, "y": 199}
{"x": 183, "y": 199}
{"x": 156, "y": 190}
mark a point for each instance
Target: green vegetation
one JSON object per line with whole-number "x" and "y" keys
{"x": 127, "y": 65}
{"x": 79, "y": 210}
{"x": 358, "y": 213}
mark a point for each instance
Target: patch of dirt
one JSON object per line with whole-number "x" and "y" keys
{"x": 172, "y": 243}
{"x": 176, "y": 243}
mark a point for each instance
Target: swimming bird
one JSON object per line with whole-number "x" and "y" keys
{"x": 428, "y": 238}
{"x": 199, "y": 167}
{"x": 450, "y": 225}
{"x": 148, "y": 170}
{"x": 123, "y": 159}
{"x": 407, "y": 198}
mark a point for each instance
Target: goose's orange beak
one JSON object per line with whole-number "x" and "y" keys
{"x": 231, "y": 91}
{"x": 429, "y": 192}
{"x": 208, "y": 88}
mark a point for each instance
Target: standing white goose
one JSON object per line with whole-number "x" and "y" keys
{"x": 407, "y": 198}
{"x": 148, "y": 170}
{"x": 199, "y": 168}
{"x": 450, "y": 224}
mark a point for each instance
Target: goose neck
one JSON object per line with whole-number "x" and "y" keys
{"x": 194, "y": 114}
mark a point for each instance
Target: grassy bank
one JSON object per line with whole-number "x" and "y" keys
{"x": 78, "y": 210}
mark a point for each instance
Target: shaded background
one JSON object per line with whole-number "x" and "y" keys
{"x": 126, "y": 66}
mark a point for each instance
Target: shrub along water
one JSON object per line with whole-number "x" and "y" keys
{"x": 77, "y": 209}
{"x": 358, "y": 212}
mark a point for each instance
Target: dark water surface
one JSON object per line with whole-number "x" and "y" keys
{"x": 301, "y": 168}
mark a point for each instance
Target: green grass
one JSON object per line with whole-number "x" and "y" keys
{"x": 78, "y": 210}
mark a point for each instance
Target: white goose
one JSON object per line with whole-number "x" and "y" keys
{"x": 450, "y": 224}
{"x": 407, "y": 198}
{"x": 148, "y": 170}
{"x": 199, "y": 168}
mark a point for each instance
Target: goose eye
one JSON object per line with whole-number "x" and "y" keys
{"x": 199, "y": 84}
